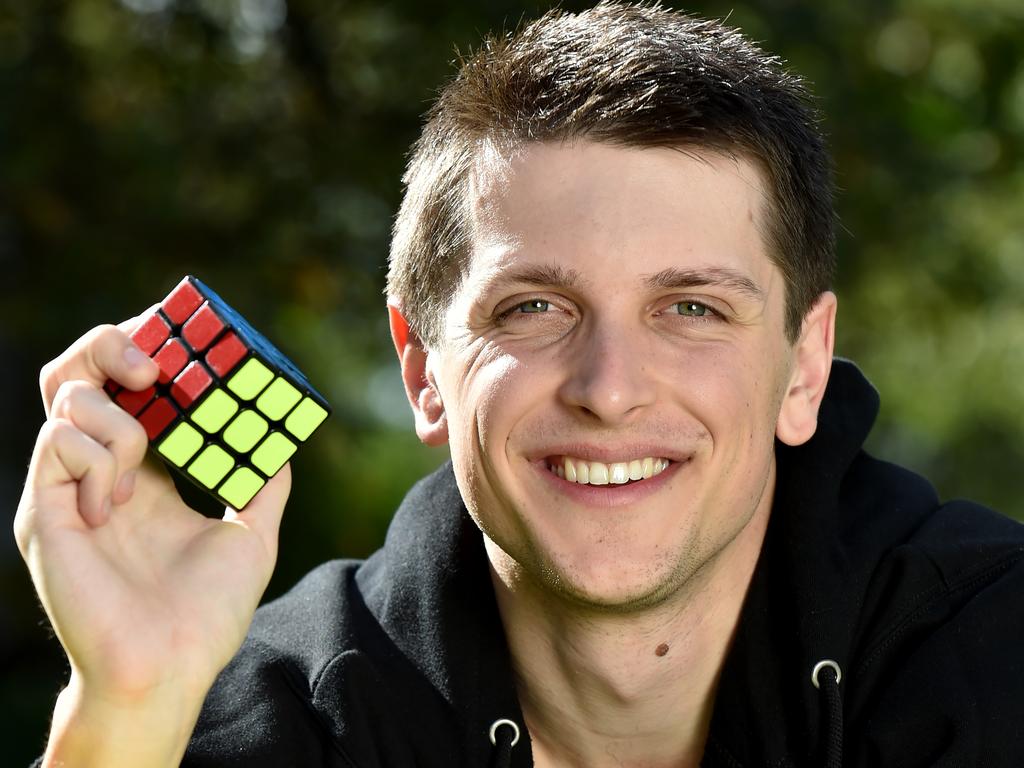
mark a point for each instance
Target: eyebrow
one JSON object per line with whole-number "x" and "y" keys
{"x": 540, "y": 275}
{"x": 723, "y": 277}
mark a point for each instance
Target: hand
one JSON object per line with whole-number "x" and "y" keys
{"x": 149, "y": 598}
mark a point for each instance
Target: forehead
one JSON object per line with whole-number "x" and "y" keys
{"x": 603, "y": 206}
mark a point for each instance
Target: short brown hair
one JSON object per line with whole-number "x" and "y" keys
{"x": 631, "y": 75}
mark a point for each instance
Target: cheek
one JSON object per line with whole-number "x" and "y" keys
{"x": 489, "y": 389}
{"x": 735, "y": 397}
{"x": 495, "y": 394}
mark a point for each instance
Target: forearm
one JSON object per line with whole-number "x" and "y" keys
{"x": 88, "y": 731}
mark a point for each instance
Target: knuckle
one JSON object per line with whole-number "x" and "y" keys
{"x": 102, "y": 334}
{"x": 51, "y": 434}
{"x": 22, "y": 527}
{"x": 47, "y": 376}
{"x": 105, "y": 464}
{"x": 140, "y": 440}
{"x": 110, "y": 342}
{"x": 55, "y": 430}
{"x": 69, "y": 396}
{"x": 134, "y": 441}
{"x": 52, "y": 373}
{"x": 100, "y": 343}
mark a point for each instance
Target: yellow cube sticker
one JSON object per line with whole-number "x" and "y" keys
{"x": 211, "y": 465}
{"x": 278, "y": 399}
{"x": 250, "y": 379}
{"x": 239, "y": 489}
{"x": 245, "y": 431}
{"x": 306, "y": 417}
{"x": 273, "y": 453}
{"x": 181, "y": 445}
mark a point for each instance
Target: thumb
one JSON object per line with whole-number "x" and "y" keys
{"x": 262, "y": 515}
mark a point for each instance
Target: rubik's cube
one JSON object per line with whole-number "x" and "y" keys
{"x": 228, "y": 409}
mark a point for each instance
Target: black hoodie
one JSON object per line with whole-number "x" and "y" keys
{"x": 401, "y": 660}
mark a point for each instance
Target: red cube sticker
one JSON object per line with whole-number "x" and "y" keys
{"x": 171, "y": 358}
{"x": 202, "y": 328}
{"x": 151, "y": 334}
{"x": 190, "y": 384}
{"x": 133, "y": 402}
{"x": 157, "y": 416}
{"x": 225, "y": 354}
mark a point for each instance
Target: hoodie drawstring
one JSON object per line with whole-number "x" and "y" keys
{"x": 503, "y": 739}
{"x": 825, "y": 677}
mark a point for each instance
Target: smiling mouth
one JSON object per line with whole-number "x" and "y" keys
{"x": 598, "y": 473}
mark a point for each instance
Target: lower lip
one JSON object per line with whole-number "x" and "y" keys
{"x": 610, "y": 495}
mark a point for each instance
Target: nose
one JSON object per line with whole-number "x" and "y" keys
{"x": 609, "y": 376}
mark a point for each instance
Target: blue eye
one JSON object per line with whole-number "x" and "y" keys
{"x": 692, "y": 309}
{"x": 532, "y": 306}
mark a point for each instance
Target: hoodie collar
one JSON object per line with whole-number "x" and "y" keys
{"x": 805, "y": 598}
{"x": 431, "y": 590}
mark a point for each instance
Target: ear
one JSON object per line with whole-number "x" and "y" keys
{"x": 812, "y": 362}
{"x": 420, "y": 387}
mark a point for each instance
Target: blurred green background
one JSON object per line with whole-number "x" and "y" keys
{"x": 259, "y": 144}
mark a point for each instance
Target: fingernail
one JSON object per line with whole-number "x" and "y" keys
{"x": 134, "y": 356}
{"x": 126, "y": 487}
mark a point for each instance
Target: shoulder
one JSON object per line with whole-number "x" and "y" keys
{"x": 950, "y": 557}
{"x": 939, "y": 652}
{"x": 890, "y": 516}
{"x": 260, "y": 710}
{"x": 318, "y": 682}
{"x": 314, "y": 620}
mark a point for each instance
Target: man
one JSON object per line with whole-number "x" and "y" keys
{"x": 658, "y": 542}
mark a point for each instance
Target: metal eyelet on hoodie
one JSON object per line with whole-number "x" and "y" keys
{"x": 501, "y": 757}
{"x": 820, "y": 666}
{"x": 832, "y": 716}
{"x": 497, "y": 724}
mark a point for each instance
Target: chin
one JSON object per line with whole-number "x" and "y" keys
{"x": 617, "y": 583}
{"x": 614, "y": 598}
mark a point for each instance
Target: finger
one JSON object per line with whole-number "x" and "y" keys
{"x": 263, "y": 513}
{"x": 96, "y": 415}
{"x": 64, "y": 455}
{"x": 130, "y": 325}
{"x": 103, "y": 353}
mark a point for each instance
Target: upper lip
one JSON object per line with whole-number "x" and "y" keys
{"x": 610, "y": 454}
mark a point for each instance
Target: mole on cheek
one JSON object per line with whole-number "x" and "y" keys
{"x": 661, "y": 650}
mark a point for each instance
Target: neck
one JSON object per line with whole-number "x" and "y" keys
{"x": 632, "y": 690}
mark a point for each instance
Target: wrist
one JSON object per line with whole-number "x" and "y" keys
{"x": 93, "y": 729}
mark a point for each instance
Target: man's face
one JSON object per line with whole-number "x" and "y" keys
{"x": 619, "y": 314}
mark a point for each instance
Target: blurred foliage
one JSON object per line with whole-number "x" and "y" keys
{"x": 259, "y": 145}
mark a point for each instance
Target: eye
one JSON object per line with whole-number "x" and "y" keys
{"x": 534, "y": 314}
{"x": 693, "y": 309}
{"x": 531, "y": 307}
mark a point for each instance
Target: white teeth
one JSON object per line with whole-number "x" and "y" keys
{"x": 618, "y": 473}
